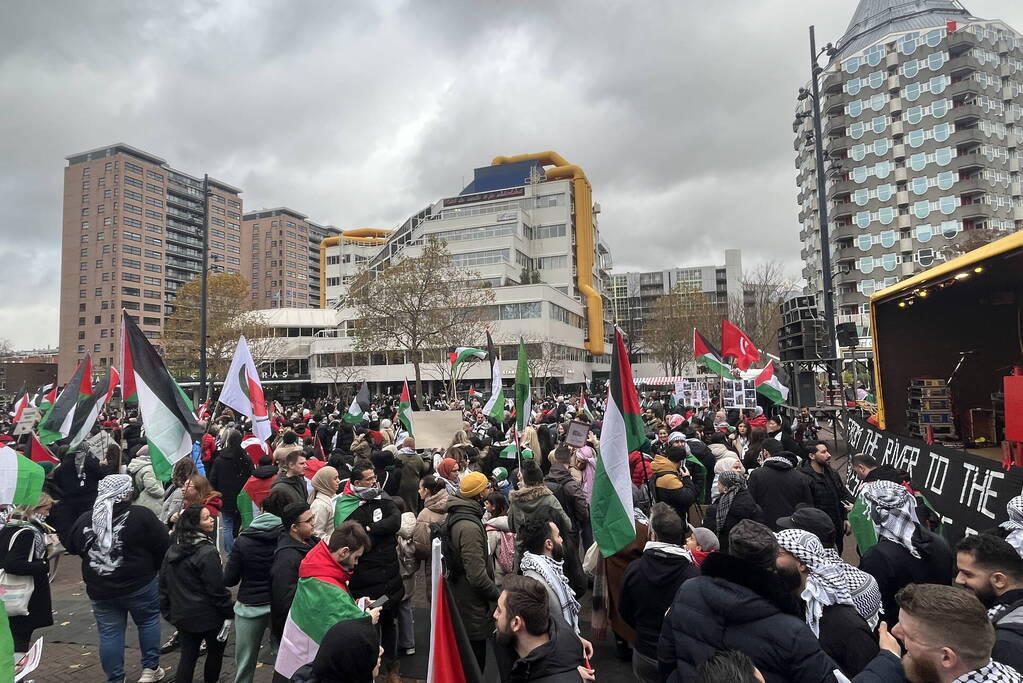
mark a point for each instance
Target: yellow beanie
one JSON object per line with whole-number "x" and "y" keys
{"x": 473, "y": 484}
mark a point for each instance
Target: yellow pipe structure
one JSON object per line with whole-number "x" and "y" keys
{"x": 584, "y": 237}
{"x": 371, "y": 236}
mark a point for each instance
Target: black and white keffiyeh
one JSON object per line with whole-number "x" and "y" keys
{"x": 994, "y": 672}
{"x": 893, "y": 512}
{"x": 781, "y": 461}
{"x": 825, "y": 582}
{"x": 862, "y": 586}
{"x": 112, "y": 489}
{"x": 733, "y": 483}
{"x": 1015, "y": 524}
{"x": 554, "y": 576}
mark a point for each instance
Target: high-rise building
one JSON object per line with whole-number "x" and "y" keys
{"x": 921, "y": 106}
{"x": 284, "y": 269}
{"x": 132, "y": 236}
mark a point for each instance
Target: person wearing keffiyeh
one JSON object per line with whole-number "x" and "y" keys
{"x": 828, "y": 605}
{"x": 906, "y": 552}
{"x": 1014, "y": 525}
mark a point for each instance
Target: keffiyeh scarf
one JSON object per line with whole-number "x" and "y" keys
{"x": 1015, "y": 524}
{"x": 825, "y": 583}
{"x": 862, "y": 586}
{"x": 670, "y": 549}
{"x": 112, "y": 489}
{"x": 893, "y": 512}
{"x": 992, "y": 673}
{"x": 733, "y": 483}
{"x": 554, "y": 576}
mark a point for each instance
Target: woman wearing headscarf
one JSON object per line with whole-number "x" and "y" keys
{"x": 122, "y": 546}
{"x": 23, "y": 553}
{"x": 828, "y": 605}
{"x": 448, "y": 472}
{"x": 734, "y": 505}
{"x": 349, "y": 653}
{"x": 193, "y": 596}
{"x": 726, "y": 464}
{"x": 321, "y": 500}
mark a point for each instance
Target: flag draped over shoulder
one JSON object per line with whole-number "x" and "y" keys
{"x": 243, "y": 391}
{"x": 611, "y": 508}
{"x": 166, "y": 412}
{"x": 360, "y": 405}
{"x": 495, "y": 404}
{"x": 405, "y": 410}
{"x": 250, "y": 498}
{"x": 735, "y": 343}
{"x": 345, "y": 504}
{"x": 56, "y": 423}
{"x": 709, "y": 356}
{"x": 21, "y": 480}
{"x": 523, "y": 398}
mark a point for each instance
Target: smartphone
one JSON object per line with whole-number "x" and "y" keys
{"x": 379, "y": 602}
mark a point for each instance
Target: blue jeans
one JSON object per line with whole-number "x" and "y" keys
{"x": 112, "y": 620}
{"x": 227, "y": 524}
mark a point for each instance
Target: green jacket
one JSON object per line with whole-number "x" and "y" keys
{"x": 473, "y": 589}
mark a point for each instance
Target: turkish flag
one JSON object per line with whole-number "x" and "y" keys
{"x": 735, "y": 343}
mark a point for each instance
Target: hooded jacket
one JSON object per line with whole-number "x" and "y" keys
{"x": 894, "y": 567}
{"x": 378, "y": 571}
{"x": 412, "y": 468}
{"x": 570, "y": 494}
{"x": 649, "y": 585}
{"x": 828, "y": 492}
{"x": 228, "y": 474}
{"x": 677, "y": 491}
{"x": 778, "y": 487}
{"x": 144, "y": 479}
{"x": 294, "y": 486}
{"x": 435, "y": 509}
{"x": 284, "y": 578}
{"x": 193, "y": 596}
{"x": 252, "y": 558}
{"x": 530, "y": 500}
{"x": 473, "y": 588}
{"x": 1008, "y": 622}
{"x": 555, "y": 661}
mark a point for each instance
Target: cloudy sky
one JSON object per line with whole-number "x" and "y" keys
{"x": 361, "y": 113}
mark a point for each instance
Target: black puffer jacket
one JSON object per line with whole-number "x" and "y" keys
{"x": 378, "y": 570}
{"x": 649, "y": 585}
{"x": 252, "y": 558}
{"x": 555, "y": 661}
{"x": 778, "y": 487}
{"x": 192, "y": 592}
{"x": 895, "y": 567}
{"x": 228, "y": 474}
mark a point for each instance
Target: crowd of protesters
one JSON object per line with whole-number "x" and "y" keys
{"x": 737, "y": 571}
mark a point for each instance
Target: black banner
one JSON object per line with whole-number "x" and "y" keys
{"x": 485, "y": 196}
{"x": 968, "y": 491}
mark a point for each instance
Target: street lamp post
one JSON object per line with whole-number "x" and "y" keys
{"x": 203, "y": 284}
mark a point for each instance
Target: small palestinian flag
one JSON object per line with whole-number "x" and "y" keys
{"x": 463, "y": 353}
{"x": 21, "y": 397}
{"x": 88, "y": 410}
{"x": 20, "y": 404}
{"x": 41, "y": 394}
{"x": 495, "y": 404}
{"x": 57, "y": 422}
{"x": 451, "y": 654}
{"x": 611, "y": 509}
{"x": 128, "y": 393}
{"x": 473, "y": 393}
{"x": 47, "y": 398}
{"x": 345, "y": 504}
{"x": 250, "y": 498}
{"x": 405, "y": 410}
{"x": 360, "y": 406}
{"x": 21, "y": 480}
{"x": 770, "y": 386}
{"x": 166, "y": 412}
{"x": 37, "y": 452}
{"x": 706, "y": 354}
{"x": 584, "y": 407}
{"x": 243, "y": 391}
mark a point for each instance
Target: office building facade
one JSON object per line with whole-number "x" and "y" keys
{"x": 131, "y": 237}
{"x": 921, "y": 108}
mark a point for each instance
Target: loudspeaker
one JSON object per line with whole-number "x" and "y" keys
{"x": 847, "y": 335}
{"x": 804, "y": 389}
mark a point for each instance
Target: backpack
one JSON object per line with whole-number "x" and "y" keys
{"x": 136, "y": 488}
{"x": 505, "y": 555}
{"x": 651, "y": 485}
{"x": 453, "y": 566}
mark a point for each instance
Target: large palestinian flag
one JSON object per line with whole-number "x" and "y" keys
{"x": 88, "y": 410}
{"x": 770, "y": 386}
{"x": 405, "y": 410}
{"x": 464, "y": 353}
{"x": 128, "y": 393}
{"x": 166, "y": 412}
{"x": 704, "y": 353}
{"x": 243, "y": 391}
{"x": 523, "y": 396}
{"x": 495, "y": 404}
{"x": 57, "y": 422}
{"x": 21, "y": 480}
{"x": 451, "y": 656}
{"x": 321, "y": 600}
{"x": 611, "y": 509}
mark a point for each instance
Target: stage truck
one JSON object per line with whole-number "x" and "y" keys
{"x": 948, "y": 364}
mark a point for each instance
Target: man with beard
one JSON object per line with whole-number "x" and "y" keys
{"x": 541, "y": 648}
{"x": 828, "y": 491}
{"x": 947, "y": 637}
{"x": 993, "y": 570}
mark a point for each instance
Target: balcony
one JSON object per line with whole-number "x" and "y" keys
{"x": 958, "y": 91}
{"x": 972, "y": 186}
{"x": 970, "y": 161}
{"x": 835, "y": 126}
{"x": 902, "y": 198}
{"x": 840, "y": 231}
{"x": 967, "y": 114}
{"x": 184, "y": 215}
{"x": 841, "y": 187}
{"x": 843, "y": 209}
{"x": 977, "y": 210}
{"x": 846, "y": 278}
{"x": 961, "y": 41}
{"x": 849, "y": 253}
{"x": 832, "y": 83}
{"x": 968, "y": 136}
{"x": 963, "y": 65}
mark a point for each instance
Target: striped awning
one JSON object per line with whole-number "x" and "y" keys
{"x": 659, "y": 381}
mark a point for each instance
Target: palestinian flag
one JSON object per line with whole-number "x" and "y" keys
{"x": 166, "y": 412}
{"x": 523, "y": 397}
{"x": 128, "y": 392}
{"x": 611, "y": 510}
{"x": 706, "y": 354}
{"x": 88, "y": 410}
{"x": 243, "y": 392}
{"x": 321, "y": 600}
{"x": 250, "y": 498}
{"x": 451, "y": 655}
{"x": 770, "y": 386}
{"x": 360, "y": 406}
{"x": 37, "y": 452}
{"x": 20, "y": 398}
{"x": 584, "y": 406}
{"x": 495, "y": 404}
{"x": 7, "y": 668}
{"x": 405, "y": 410}
{"x": 863, "y": 528}
{"x": 463, "y": 353}
{"x": 39, "y": 400}
{"x": 20, "y": 404}
{"x": 473, "y": 393}
{"x": 21, "y": 480}
{"x": 56, "y": 423}
{"x": 345, "y": 504}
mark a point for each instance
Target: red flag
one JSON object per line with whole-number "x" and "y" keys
{"x": 735, "y": 343}
{"x": 451, "y": 657}
{"x": 114, "y": 380}
{"x": 40, "y": 453}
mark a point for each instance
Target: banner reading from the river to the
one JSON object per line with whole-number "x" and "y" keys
{"x": 968, "y": 491}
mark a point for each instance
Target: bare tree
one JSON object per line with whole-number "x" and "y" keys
{"x": 418, "y": 303}
{"x": 669, "y": 331}
{"x": 545, "y": 359}
{"x": 343, "y": 378}
{"x": 757, "y": 309}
